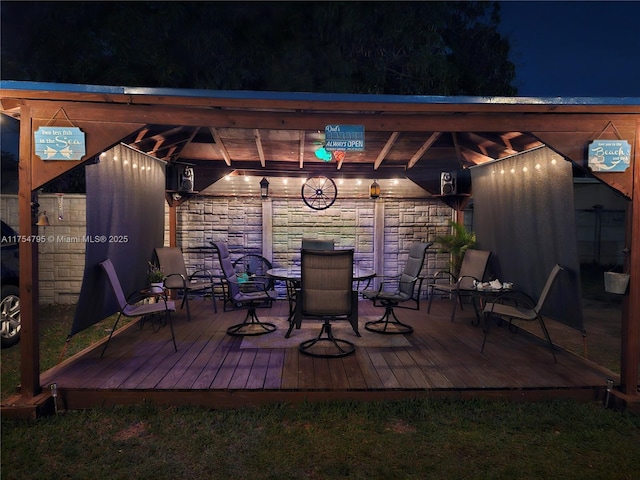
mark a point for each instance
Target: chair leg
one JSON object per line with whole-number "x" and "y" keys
{"x": 251, "y": 325}
{"x": 548, "y": 337}
{"x": 185, "y": 301}
{"x": 213, "y": 299}
{"x": 382, "y": 325}
{"x": 343, "y": 347}
{"x": 173, "y": 335}
{"x": 487, "y": 322}
{"x": 430, "y": 298}
{"x": 110, "y": 335}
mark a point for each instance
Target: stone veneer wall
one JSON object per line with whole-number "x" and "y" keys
{"x": 351, "y": 224}
{"x": 239, "y": 221}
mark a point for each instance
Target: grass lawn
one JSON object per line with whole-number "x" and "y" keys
{"x": 386, "y": 440}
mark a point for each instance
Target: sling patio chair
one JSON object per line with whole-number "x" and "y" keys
{"x": 519, "y": 306}
{"x": 393, "y": 291}
{"x": 131, "y": 307}
{"x": 171, "y": 262}
{"x": 474, "y": 268}
{"x": 326, "y": 292}
{"x": 248, "y": 293}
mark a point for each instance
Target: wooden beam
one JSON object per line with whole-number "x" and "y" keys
{"x": 630, "y": 348}
{"x": 301, "y": 148}
{"x": 425, "y": 146}
{"x": 385, "y": 149}
{"x": 220, "y": 145}
{"x": 29, "y": 280}
{"x": 256, "y": 135}
{"x": 585, "y": 121}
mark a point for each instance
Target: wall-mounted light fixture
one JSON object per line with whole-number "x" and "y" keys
{"x": 264, "y": 188}
{"x": 374, "y": 190}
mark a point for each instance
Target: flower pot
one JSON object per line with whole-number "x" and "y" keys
{"x": 156, "y": 287}
{"x": 616, "y": 282}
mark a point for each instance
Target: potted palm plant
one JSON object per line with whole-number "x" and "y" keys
{"x": 456, "y": 244}
{"x": 156, "y": 276}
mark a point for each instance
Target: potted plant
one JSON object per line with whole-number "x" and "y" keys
{"x": 156, "y": 277}
{"x": 456, "y": 243}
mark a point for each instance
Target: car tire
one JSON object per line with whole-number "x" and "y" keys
{"x": 10, "y": 311}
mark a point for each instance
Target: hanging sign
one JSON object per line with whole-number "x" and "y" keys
{"x": 609, "y": 155}
{"x": 59, "y": 143}
{"x": 344, "y": 137}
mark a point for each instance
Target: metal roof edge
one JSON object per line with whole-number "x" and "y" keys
{"x": 311, "y": 96}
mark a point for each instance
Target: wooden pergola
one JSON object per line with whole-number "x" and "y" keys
{"x": 275, "y": 133}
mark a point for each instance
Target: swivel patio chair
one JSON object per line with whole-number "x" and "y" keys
{"x": 250, "y": 293}
{"x": 396, "y": 290}
{"x": 519, "y": 306}
{"x": 315, "y": 244}
{"x": 474, "y": 267}
{"x": 171, "y": 262}
{"x": 131, "y": 307}
{"x": 326, "y": 292}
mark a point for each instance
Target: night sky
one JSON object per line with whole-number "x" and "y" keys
{"x": 578, "y": 48}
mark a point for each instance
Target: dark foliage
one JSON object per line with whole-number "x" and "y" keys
{"x": 434, "y": 48}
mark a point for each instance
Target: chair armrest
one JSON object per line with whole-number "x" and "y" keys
{"x": 514, "y": 298}
{"x": 464, "y": 277}
{"x": 170, "y": 276}
{"x": 206, "y": 274}
{"x": 444, "y": 274}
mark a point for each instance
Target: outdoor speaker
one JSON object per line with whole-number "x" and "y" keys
{"x": 448, "y": 183}
{"x": 180, "y": 178}
{"x": 185, "y": 179}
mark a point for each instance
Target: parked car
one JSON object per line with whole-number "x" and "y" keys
{"x": 10, "y": 304}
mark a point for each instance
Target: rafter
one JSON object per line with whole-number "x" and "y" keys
{"x": 256, "y": 134}
{"x": 385, "y": 149}
{"x": 220, "y": 144}
{"x": 425, "y": 146}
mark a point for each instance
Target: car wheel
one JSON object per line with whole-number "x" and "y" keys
{"x": 10, "y": 310}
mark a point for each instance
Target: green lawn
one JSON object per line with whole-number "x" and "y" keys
{"x": 388, "y": 440}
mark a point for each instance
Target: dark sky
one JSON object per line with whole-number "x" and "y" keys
{"x": 577, "y": 48}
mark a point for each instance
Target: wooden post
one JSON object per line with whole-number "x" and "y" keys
{"x": 29, "y": 299}
{"x": 630, "y": 348}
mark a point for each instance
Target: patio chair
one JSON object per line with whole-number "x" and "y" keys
{"x": 519, "y": 306}
{"x": 254, "y": 267}
{"x": 314, "y": 244}
{"x": 171, "y": 262}
{"x": 248, "y": 293}
{"x": 130, "y": 307}
{"x": 474, "y": 267}
{"x": 396, "y": 290}
{"x": 326, "y": 292}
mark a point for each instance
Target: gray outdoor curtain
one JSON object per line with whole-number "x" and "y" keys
{"x": 524, "y": 213}
{"x": 125, "y": 222}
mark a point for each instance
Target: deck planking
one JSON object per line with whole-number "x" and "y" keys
{"x": 211, "y": 368}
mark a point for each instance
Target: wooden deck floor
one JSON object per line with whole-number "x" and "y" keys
{"x": 212, "y": 369}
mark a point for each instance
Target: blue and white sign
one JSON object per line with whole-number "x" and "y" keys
{"x": 59, "y": 143}
{"x": 609, "y": 155}
{"x": 344, "y": 137}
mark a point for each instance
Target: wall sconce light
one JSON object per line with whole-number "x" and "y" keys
{"x": 264, "y": 188}
{"x": 43, "y": 220}
{"x": 374, "y": 190}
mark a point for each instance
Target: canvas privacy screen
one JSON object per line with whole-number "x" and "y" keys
{"x": 524, "y": 213}
{"x": 125, "y": 216}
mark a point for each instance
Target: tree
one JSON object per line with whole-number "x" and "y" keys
{"x": 417, "y": 48}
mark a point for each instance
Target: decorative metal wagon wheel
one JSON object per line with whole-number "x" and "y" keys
{"x": 319, "y": 192}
